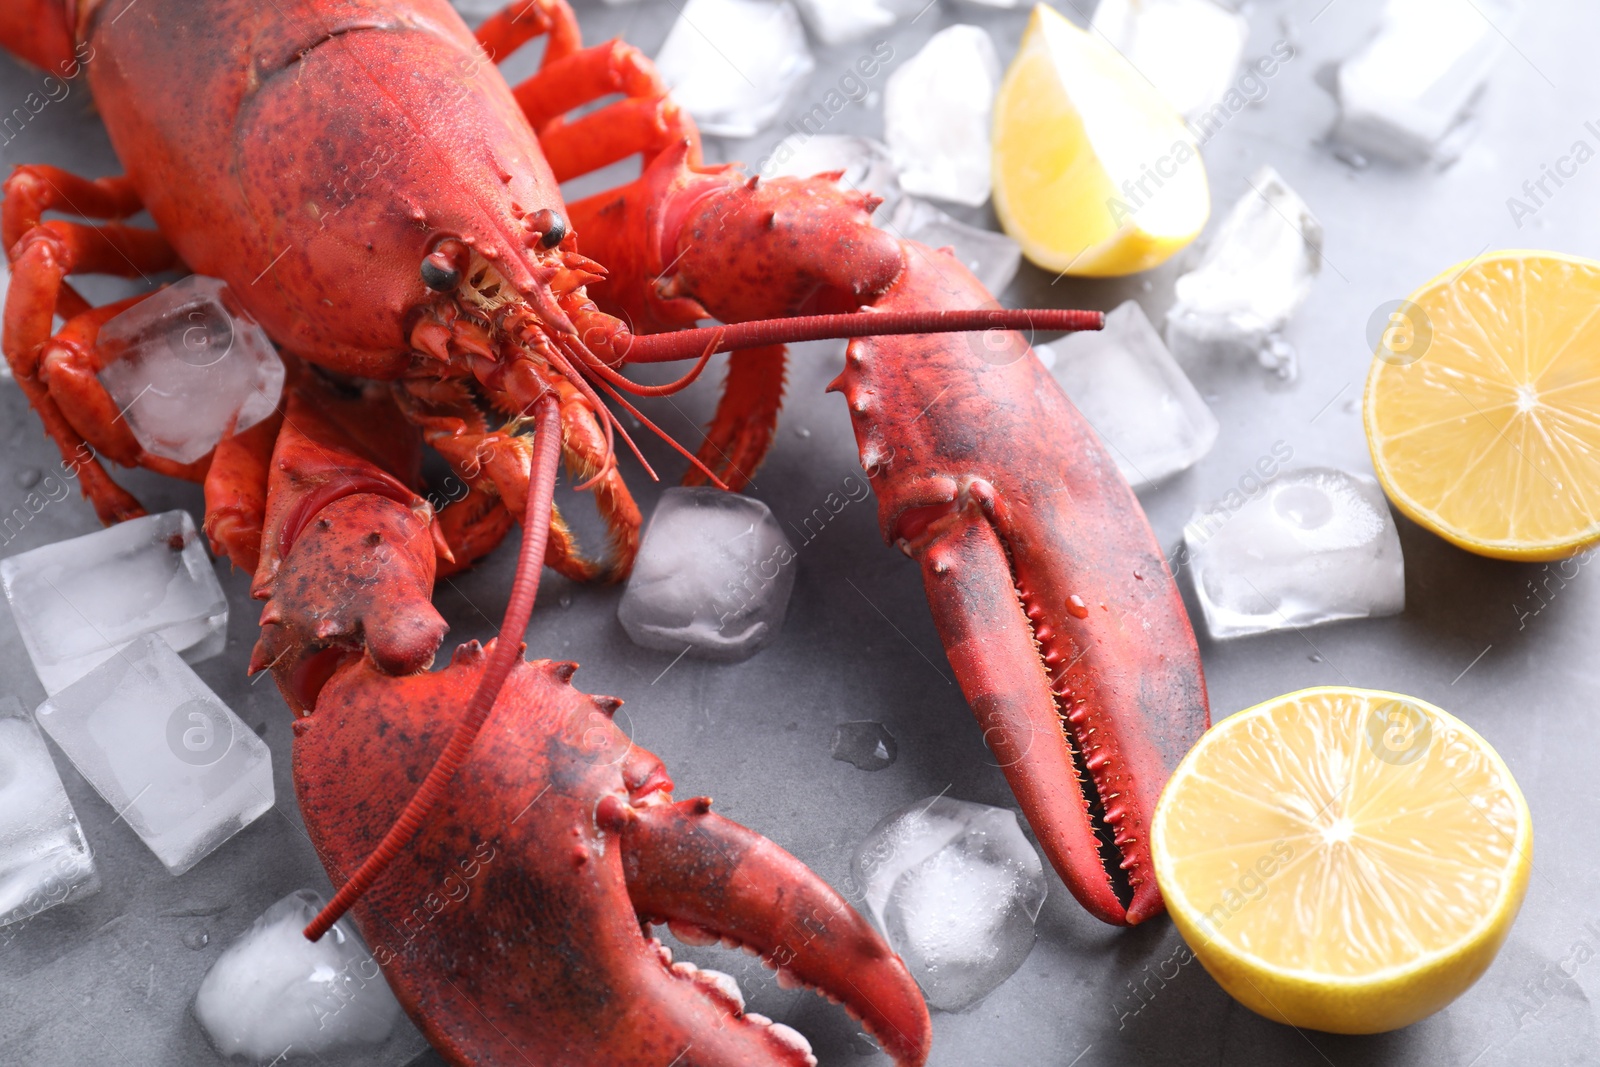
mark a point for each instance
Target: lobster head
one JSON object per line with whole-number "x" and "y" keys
{"x": 527, "y": 898}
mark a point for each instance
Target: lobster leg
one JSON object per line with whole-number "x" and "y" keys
{"x": 42, "y": 256}
{"x": 236, "y": 492}
{"x": 522, "y": 20}
{"x": 746, "y": 418}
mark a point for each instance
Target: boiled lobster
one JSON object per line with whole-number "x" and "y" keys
{"x": 388, "y": 209}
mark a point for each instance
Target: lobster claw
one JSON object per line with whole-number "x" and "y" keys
{"x": 514, "y": 928}
{"x": 1049, "y": 591}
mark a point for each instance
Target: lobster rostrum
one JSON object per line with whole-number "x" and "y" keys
{"x": 388, "y": 209}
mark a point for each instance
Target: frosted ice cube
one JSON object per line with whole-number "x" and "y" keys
{"x": 838, "y": 21}
{"x": 1256, "y": 273}
{"x": 1188, "y": 49}
{"x": 714, "y": 575}
{"x": 868, "y": 167}
{"x": 44, "y": 857}
{"x": 1135, "y": 395}
{"x": 992, "y": 257}
{"x": 867, "y": 745}
{"x": 733, "y": 63}
{"x": 936, "y": 112}
{"x": 955, "y": 887}
{"x": 76, "y": 601}
{"x": 1417, "y": 78}
{"x": 153, "y": 739}
{"x": 1317, "y": 546}
{"x": 273, "y": 990}
{"x": 187, "y": 365}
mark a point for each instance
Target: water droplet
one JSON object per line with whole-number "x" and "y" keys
{"x": 28, "y": 478}
{"x": 1305, "y": 506}
{"x": 565, "y": 600}
{"x": 868, "y": 745}
{"x": 802, "y": 432}
{"x": 1076, "y": 607}
{"x": 198, "y": 938}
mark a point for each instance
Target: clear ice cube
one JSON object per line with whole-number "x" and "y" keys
{"x": 155, "y": 742}
{"x": 187, "y": 365}
{"x": 44, "y": 857}
{"x": 273, "y": 990}
{"x": 868, "y": 167}
{"x": 955, "y": 887}
{"x": 1188, "y": 49}
{"x": 1256, "y": 273}
{"x": 865, "y": 744}
{"x": 733, "y": 63}
{"x": 992, "y": 257}
{"x": 76, "y": 601}
{"x": 1135, "y": 395}
{"x": 839, "y": 21}
{"x": 713, "y": 576}
{"x": 1318, "y": 545}
{"x": 936, "y": 113}
{"x": 1416, "y": 79}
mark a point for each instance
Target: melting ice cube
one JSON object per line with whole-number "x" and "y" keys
{"x": 956, "y": 888}
{"x": 713, "y": 576}
{"x": 187, "y": 365}
{"x": 273, "y": 990}
{"x": 733, "y": 63}
{"x": 1256, "y": 273}
{"x": 1317, "y": 546}
{"x": 867, "y": 745}
{"x": 1135, "y": 395}
{"x": 1401, "y": 95}
{"x": 1188, "y": 49}
{"x": 76, "y": 601}
{"x": 992, "y": 257}
{"x": 868, "y": 167}
{"x": 838, "y": 21}
{"x": 44, "y": 858}
{"x": 153, "y": 739}
{"x": 936, "y": 111}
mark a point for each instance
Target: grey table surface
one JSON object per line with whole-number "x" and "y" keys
{"x": 109, "y": 980}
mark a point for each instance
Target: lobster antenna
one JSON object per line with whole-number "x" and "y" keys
{"x": 686, "y": 344}
{"x": 507, "y": 650}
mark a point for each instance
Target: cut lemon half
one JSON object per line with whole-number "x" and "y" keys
{"x": 1342, "y": 859}
{"x": 1483, "y": 405}
{"x": 1094, "y": 173}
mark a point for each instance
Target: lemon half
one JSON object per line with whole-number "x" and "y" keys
{"x": 1343, "y": 859}
{"x": 1483, "y": 406}
{"x": 1094, "y": 173}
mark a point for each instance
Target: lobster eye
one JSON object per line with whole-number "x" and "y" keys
{"x": 442, "y": 268}
{"x": 550, "y": 225}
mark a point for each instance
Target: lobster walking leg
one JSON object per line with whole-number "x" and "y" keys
{"x": 42, "y": 257}
{"x": 746, "y": 418}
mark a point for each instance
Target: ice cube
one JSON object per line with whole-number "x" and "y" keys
{"x": 713, "y": 576}
{"x": 868, "y": 745}
{"x": 1188, "y": 49}
{"x": 1318, "y": 545}
{"x": 1256, "y": 273}
{"x": 1136, "y": 397}
{"x": 5, "y": 285}
{"x": 992, "y": 257}
{"x": 838, "y": 21}
{"x": 868, "y": 167}
{"x": 955, "y": 887}
{"x": 177, "y": 765}
{"x": 44, "y": 857}
{"x": 273, "y": 990}
{"x": 187, "y": 365}
{"x": 76, "y": 601}
{"x": 1417, "y": 78}
{"x": 936, "y": 113}
{"x": 733, "y": 63}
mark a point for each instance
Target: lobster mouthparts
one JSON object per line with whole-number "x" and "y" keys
{"x": 515, "y": 928}
{"x": 1049, "y": 591}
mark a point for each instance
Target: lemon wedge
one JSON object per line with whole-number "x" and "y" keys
{"x": 1342, "y": 859}
{"x": 1094, "y": 173}
{"x": 1483, "y": 406}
